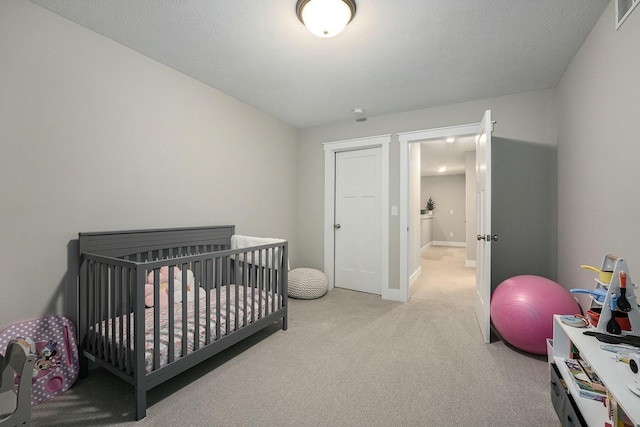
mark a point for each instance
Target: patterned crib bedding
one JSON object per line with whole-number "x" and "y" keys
{"x": 261, "y": 306}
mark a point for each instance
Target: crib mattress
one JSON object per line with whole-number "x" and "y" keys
{"x": 261, "y": 307}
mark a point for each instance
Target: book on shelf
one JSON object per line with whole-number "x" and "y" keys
{"x": 596, "y": 383}
{"x": 583, "y": 382}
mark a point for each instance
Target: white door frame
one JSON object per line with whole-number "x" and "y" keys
{"x": 405, "y": 139}
{"x": 330, "y": 150}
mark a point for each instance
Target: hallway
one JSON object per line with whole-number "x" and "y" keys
{"x": 444, "y": 272}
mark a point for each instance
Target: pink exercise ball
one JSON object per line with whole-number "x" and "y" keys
{"x": 522, "y": 309}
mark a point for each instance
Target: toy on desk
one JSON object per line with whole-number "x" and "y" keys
{"x": 598, "y": 294}
{"x": 603, "y": 276}
{"x": 613, "y": 327}
{"x": 617, "y": 348}
{"x": 623, "y": 304}
{"x": 619, "y": 302}
{"x": 575, "y": 320}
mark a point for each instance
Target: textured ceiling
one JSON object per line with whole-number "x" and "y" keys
{"x": 439, "y": 153}
{"x": 394, "y": 56}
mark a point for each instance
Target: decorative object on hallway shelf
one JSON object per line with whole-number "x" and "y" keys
{"x": 431, "y": 205}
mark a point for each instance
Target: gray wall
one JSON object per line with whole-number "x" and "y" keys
{"x": 448, "y": 192}
{"x": 526, "y": 117}
{"x": 94, "y": 136}
{"x": 599, "y": 152}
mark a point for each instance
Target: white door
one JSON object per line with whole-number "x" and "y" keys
{"x": 483, "y": 219}
{"x": 357, "y": 220}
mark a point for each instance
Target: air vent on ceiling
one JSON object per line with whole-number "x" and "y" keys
{"x": 623, "y": 10}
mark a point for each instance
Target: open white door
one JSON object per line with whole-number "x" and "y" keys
{"x": 483, "y": 219}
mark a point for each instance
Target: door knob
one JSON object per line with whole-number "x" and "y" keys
{"x": 488, "y": 237}
{"x": 336, "y": 226}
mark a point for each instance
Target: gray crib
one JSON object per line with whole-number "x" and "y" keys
{"x": 221, "y": 296}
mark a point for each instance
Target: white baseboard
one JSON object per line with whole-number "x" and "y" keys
{"x": 425, "y": 247}
{"x": 452, "y": 244}
{"x": 394, "y": 295}
{"x": 416, "y": 274}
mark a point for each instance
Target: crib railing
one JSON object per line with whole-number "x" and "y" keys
{"x": 112, "y": 300}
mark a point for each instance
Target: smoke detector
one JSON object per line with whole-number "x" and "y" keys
{"x": 360, "y": 115}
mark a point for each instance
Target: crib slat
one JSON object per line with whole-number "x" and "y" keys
{"x": 260, "y": 284}
{"x": 156, "y": 318}
{"x": 119, "y": 316}
{"x": 171, "y": 313}
{"x": 96, "y": 305}
{"x": 185, "y": 327}
{"x": 238, "y": 279}
{"x": 130, "y": 309}
{"x": 207, "y": 288}
{"x": 91, "y": 324}
{"x": 100, "y": 308}
{"x": 277, "y": 265}
{"x": 112, "y": 313}
{"x": 276, "y": 283}
{"x": 228, "y": 293}
{"x": 218, "y": 279}
{"x": 105, "y": 311}
{"x": 196, "y": 305}
{"x": 139, "y": 364}
{"x": 270, "y": 281}
{"x": 267, "y": 282}
{"x": 252, "y": 279}
{"x": 245, "y": 280}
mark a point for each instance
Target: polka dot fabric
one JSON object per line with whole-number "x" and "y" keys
{"x": 53, "y": 340}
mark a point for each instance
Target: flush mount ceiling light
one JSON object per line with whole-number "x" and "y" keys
{"x": 325, "y": 18}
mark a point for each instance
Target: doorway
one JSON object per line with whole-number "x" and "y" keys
{"x": 482, "y": 132}
{"x": 333, "y": 153}
{"x": 406, "y": 214}
{"x": 447, "y": 178}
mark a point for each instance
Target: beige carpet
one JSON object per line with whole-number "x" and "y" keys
{"x": 347, "y": 359}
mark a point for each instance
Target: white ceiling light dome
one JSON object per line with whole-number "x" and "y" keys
{"x": 325, "y": 18}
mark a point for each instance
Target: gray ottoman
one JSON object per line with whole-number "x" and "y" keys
{"x": 307, "y": 283}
